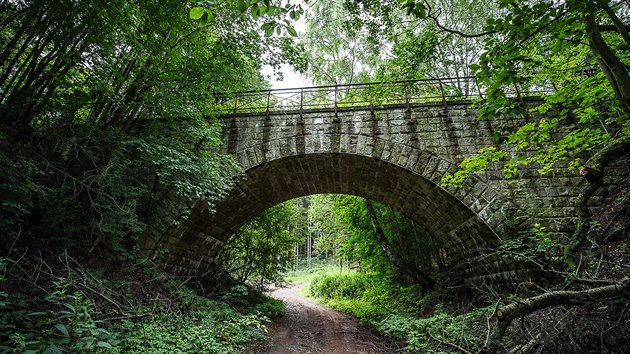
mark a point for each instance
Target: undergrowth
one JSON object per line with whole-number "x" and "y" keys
{"x": 436, "y": 322}
{"x": 401, "y": 314}
{"x": 304, "y": 275}
{"x": 58, "y": 305}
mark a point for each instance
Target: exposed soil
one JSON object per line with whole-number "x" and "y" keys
{"x": 307, "y": 327}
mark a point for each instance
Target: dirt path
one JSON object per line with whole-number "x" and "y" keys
{"x": 307, "y": 327}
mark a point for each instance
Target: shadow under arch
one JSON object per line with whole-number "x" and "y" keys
{"x": 460, "y": 232}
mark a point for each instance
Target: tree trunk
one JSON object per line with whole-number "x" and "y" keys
{"x": 618, "y": 77}
{"x": 418, "y": 276}
{"x": 613, "y": 67}
{"x": 593, "y": 172}
{"x": 618, "y": 24}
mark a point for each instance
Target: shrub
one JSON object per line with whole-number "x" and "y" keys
{"x": 393, "y": 311}
{"x": 342, "y": 284}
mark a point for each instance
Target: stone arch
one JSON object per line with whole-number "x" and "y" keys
{"x": 393, "y": 155}
{"x": 461, "y": 232}
{"x": 427, "y": 141}
{"x": 403, "y": 150}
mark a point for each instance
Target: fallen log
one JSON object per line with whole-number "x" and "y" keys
{"x": 524, "y": 307}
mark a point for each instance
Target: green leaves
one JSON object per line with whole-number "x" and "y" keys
{"x": 197, "y": 12}
{"x": 242, "y": 5}
{"x": 417, "y": 9}
{"x": 292, "y": 31}
{"x": 201, "y": 14}
{"x": 543, "y": 46}
{"x": 258, "y": 253}
{"x": 473, "y": 164}
{"x": 62, "y": 328}
{"x": 268, "y": 28}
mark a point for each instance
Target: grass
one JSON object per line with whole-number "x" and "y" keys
{"x": 303, "y": 275}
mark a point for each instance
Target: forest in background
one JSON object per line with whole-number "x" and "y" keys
{"x": 107, "y": 108}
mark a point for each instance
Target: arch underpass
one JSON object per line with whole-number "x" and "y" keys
{"x": 460, "y": 233}
{"x": 395, "y": 153}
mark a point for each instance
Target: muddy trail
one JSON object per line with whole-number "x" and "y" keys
{"x": 307, "y": 327}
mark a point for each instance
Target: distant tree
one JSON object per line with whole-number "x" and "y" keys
{"x": 261, "y": 250}
{"x": 338, "y": 51}
{"x": 327, "y": 225}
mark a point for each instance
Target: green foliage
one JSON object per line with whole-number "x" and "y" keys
{"x": 400, "y": 313}
{"x": 260, "y": 250}
{"x": 214, "y": 328}
{"x": 535, "y": 246}
{"x": 65, "y": 323}
{"x": 343, "y": 226}
{"x": 546, "y": 47}
{"x": 359, "y": 242}
{"x": 326, "y": 224}
{"x": 338, "y": 52}
{"x": 252, "y": 301}
{"x": 278, "y": 16}
{"x": 343, "y": 284}
{"x": 89, "y": 311}
{"x": 119, "y": 122}
{"x": 427, "y": 335}
{"x": 360, "y": 294}
{"x": 199, "y": 324}
{"x": 318, "y": 266}
{"x": 18, "y": 188}
{"x": 107, "y": 123}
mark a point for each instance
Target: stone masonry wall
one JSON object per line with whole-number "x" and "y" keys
{"x": 394, "y": 155}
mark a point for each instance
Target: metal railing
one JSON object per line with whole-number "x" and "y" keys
{"x": 375, "y": 94}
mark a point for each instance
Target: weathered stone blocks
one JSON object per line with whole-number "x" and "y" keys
{"x": 392, "y": 155}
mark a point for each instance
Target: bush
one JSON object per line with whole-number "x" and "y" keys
{"x": 270, "y": 308}
{"x": 61, "y": 320}
{"x": 214, "y": 329}
{"x": 343, "y": 284}
{"x": 251, "y": 301}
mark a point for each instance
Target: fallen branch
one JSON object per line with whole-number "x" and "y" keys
{"x": 527, "y": 347}
{"x": 449, "y": 344}
{"x": 515, "y": 310}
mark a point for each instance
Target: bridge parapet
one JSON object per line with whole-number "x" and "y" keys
{"x": 374, "y": 94}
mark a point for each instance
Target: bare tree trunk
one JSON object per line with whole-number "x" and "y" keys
{"x": 613, "y": 67}
{"x": 399, "y": 263}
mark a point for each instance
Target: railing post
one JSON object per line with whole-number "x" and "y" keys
{"x": 268, "y": 100}
{"x": 443, "y": 95}
{"x": 301, "y": 100}
{"x": 235, "y": 104}
{"x": 518, "y": 92}
{"x": 478, "y": 88}
{"x": 406, "y": 89}
{"x": 371, "y": 98}
{"x": 336, "y": 93}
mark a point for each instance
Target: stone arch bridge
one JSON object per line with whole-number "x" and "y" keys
{"x": 391, "y": 143}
